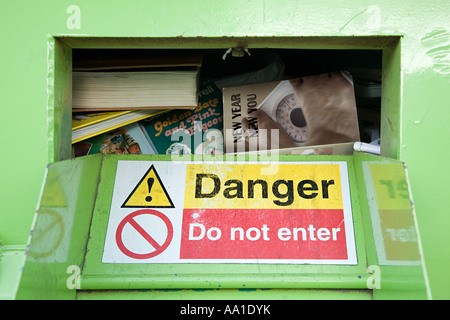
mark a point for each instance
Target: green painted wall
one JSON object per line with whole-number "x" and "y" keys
{"x": 31, "y": 122}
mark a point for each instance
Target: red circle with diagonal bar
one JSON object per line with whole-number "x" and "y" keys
{"x": 158, "y": 248}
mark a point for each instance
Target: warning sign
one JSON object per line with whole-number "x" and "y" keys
{"x": 391, "y": 214}
{"x": 149, "y": 193}
{"x": 137, "y": 226}
{"x": 236, "y": 186}
{"x": 230, "y": 213}
{"x": 263, "y": 234}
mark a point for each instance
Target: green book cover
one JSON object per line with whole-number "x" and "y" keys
{"x": 197, "y": 131}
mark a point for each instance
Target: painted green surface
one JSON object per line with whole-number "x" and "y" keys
{"x": 226, "y": 294}
{"x": 64, "y": 254}
{"x": 393, "y": 245}
{"x": 12, "y": 259}
{"x": 34, "y": 111}
{"x": 98, "y": 275}
{"x": 57, "y": 245}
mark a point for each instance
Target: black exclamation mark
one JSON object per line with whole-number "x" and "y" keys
{"x": 150, "y": 184}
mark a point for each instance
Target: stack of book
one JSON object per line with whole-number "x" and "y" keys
{"x": 151, "y": 81}
{"x": 111, "y": 93}
{"x": 154, "y": 131}
{"x": 156, "y": 105}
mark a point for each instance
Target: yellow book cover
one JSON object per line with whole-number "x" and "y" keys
{"x": 85, "y": 119}
{"x": 97, "y": 127}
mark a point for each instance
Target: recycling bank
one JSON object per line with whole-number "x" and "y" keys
{"x": 358, "y": 226}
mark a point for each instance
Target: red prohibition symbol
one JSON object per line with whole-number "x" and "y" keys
{"x": 158, "y": 248}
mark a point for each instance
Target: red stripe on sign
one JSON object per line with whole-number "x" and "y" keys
{"x": 317, "y": 234}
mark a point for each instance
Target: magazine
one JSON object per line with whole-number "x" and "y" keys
{"x": 197, "y": 131}
{"x": 301, "y": 112}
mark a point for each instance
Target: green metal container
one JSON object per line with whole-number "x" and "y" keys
{"x": 36, "y": 51}
{"x": 74, "y": 250}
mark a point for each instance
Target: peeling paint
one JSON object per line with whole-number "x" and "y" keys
{"x": 438, "y": 41}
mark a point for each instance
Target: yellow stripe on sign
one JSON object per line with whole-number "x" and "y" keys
{"x": 293, "y": 186}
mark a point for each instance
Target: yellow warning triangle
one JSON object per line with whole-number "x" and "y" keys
{"x": 53, "y": 194}
{"x": 149, "y": 193}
